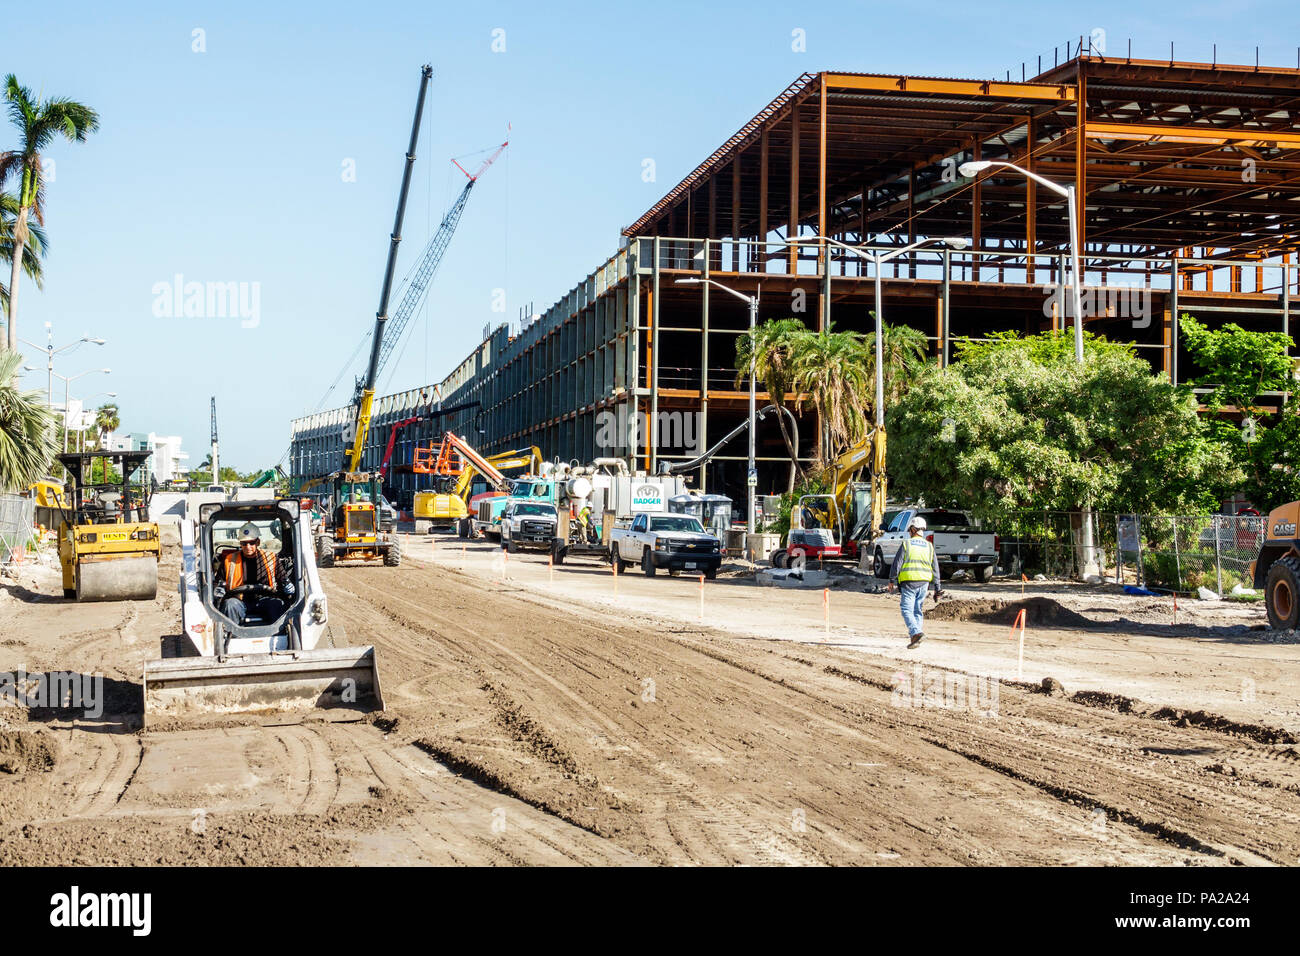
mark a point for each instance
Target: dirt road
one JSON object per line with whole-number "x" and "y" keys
{"x": 534, "y": 726}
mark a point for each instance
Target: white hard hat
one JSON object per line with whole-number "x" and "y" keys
{"x": 917, "y": 523}
{"x": 249, "y": 532}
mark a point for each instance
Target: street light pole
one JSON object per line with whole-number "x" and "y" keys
{"x": 1088, "y": 559}
{"x": 67, "y": 381}
{"x": 751, "y": 473}
{"x": 974, "y": 168}
{"x": 877, "y": 260}
{"x": 50, "y": 352}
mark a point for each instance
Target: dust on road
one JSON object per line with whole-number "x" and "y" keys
{"x": 530, "y": 727}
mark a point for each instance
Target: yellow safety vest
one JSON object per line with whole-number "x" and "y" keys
{"x": 918, "y": 561}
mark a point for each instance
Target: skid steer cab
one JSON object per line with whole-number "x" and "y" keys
{"x": 255, "y": 629}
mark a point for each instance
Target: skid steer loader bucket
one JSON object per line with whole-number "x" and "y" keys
{"x": 190, "y": 688}
{"x": 118, "y": 579}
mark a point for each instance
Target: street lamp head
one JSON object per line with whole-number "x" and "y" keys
{"x": 690, "y": 281}
{"x": 106, "y": 370}
{"x": 30, "y": 368}
{"x": 974, "y": 167}
{"x": 957, "y": 242}
{"x": 87, "y": 338}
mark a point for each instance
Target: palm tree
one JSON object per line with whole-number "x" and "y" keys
{"x": 33, "y": 250}
{"x": 905, "y": 353}
{"x": 106, "y": 421}
{"x": 37, "y": 122}
{"x": 831, "y": 369}
{"x": 772, "y": 346}
{"x": 27, "y": 433}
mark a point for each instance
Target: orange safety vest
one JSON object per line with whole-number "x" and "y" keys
{"x": 235, "y": 568}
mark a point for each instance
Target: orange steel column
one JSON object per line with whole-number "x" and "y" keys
{"x": 1081, "y": 161}
{"x": 762, "y": 200}
{"x": 1031, "y": 202}
{"x": 792, "y": 228}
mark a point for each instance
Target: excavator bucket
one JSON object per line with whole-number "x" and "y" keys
{"x": 133, "y": 578}
{"x": 343, "y": 679}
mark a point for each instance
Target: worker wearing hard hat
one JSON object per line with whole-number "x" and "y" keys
{"x": 263, "y": 582}
{"x": 915, "y": 570}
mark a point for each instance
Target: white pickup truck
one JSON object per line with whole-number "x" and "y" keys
{"x": 657, "y": 540}
{"x": 957, "y": 540}
{"x": 528, "y": 524}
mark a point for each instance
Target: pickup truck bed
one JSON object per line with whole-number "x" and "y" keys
{"x": 958, "y": 543}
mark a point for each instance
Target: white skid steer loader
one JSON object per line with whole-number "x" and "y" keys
{"x": 254, "y": 648}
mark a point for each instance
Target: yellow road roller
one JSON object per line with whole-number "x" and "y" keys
{"x": 108, "y": 547}
{"x": 1277, "y": 569}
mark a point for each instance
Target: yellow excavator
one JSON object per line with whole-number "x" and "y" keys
{"x": 1277, "y": 569}
{"x": 447, "y": 505}
{"x": 108, "y": 547}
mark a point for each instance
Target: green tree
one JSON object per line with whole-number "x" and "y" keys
{"x": 28, "y": 439}
{"x": 906, "y": 355}
{"x": 773, "y": 345}
{"x": 1016, "y": 424}
{"x": 38, "y": 122}
{"x": 107, "y": 421}
{"x": 1240, "y": 366}
{"x": 830, "y": 368}
{"x": 33, "y": 249}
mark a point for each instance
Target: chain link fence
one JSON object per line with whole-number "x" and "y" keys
{"x": 1161, "y": 552}
{"x": 17, "y": 520}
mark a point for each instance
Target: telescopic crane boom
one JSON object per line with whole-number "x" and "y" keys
{"x": 366, "y": 386}
{"x": 388, "y": 333}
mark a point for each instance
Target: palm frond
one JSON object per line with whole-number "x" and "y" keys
{"x": 27, "y": 429}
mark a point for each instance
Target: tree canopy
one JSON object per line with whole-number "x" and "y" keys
{"x": 1240, "y": 367}
{"x": 1014, "y": 423}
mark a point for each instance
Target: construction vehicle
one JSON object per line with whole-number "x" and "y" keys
{"x": 267, "y": 477}
{"x": 354, "y": 529}
{"x": 294, "y": 661}
{"x": 385, "y": 339}
{"x": 457, "y": 459}
{"x": 1277, "y": 569}
{"x": 447, "y": 504}
{"x": 108, "y": 547}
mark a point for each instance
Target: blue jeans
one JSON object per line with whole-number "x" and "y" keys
{"x": 912, "y": 601}
{"x": 266, "y": 608}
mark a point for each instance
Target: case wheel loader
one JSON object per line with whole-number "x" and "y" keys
{"x": 1277, "y": 569}
{"x": 108, "y": 547}
{"x": 287, "y": 658}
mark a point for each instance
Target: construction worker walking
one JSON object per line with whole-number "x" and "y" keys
{"x": 915, "y": 570}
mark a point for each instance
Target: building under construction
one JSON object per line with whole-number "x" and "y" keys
{"x": 1188, "y": 177}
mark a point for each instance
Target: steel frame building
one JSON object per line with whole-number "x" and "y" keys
{"x": 1189, "y": 182}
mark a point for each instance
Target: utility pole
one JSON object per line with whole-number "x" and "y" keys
{"x": 216, "y": 467}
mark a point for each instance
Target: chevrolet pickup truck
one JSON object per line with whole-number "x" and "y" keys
{"x": 528, "y": 524}
{"x": 958, "y": 542}
{"x": 675, "y": 542}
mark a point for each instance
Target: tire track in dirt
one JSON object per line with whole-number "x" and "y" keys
{"x": 674, "y": 798}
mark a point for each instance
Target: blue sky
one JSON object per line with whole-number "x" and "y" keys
{"x": 227, "y": 165}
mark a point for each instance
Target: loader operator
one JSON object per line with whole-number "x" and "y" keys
{"x": 250, "y": 566}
